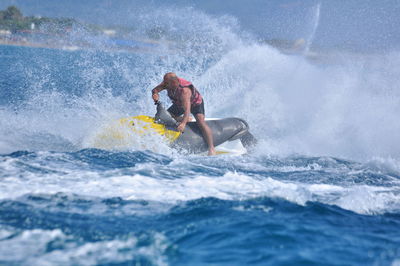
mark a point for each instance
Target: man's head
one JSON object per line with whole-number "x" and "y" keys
{"x": 171, "y": 80}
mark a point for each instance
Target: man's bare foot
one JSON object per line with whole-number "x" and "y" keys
{"x": 211, "y": 152}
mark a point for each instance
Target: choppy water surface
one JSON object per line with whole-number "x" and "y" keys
{"x": 99, "y": 207}
{"x": 321, "y": 187}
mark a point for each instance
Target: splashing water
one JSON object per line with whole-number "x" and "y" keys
{"x": 294, "y": 105}
{"x": 326, "y": 167}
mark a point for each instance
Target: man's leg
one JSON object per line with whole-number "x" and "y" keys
{"x": 176, "y": 112}
{"x": 207, "y": 134}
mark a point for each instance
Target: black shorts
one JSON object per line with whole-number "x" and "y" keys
{"x": 176, "y": 110}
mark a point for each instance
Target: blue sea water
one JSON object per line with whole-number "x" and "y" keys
{"x": 321, "y": 188}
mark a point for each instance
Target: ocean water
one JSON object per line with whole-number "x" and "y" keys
{"x": 322, "y": 187}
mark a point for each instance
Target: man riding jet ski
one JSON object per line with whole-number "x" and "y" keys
{"x": 200, "y": 135}
{"x": 230, "y": 135}
{"x": 193, "y": 137}
{"x": 186, "y": 99}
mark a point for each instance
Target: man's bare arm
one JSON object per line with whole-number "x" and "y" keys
{"x": 156, "y": 90}
{"x": 186, "y": 95}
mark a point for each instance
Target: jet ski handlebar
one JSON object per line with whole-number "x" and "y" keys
{"x": 163, "y": 116}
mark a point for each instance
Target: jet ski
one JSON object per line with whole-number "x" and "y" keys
{"x": 192, "y": 140}
{"x": 231, "y": 135}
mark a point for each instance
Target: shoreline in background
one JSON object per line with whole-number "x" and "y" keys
{"x": 107, "y": 45}
{"x": 35, "y": 45}
{"x": 67, "y": 34}
{"x": 152, "y": 46}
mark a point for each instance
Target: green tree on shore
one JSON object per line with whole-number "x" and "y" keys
{"x": 12, "y": 13}
{"x": 13, "y": 20}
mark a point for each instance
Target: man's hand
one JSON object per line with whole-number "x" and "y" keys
{"x": 181, "y": 127}
{"x": 156, "y": 97}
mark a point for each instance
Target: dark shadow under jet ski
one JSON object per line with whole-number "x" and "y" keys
{"x": 223, "y": 130}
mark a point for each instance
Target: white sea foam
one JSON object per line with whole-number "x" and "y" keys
{"x": 169, "y": 187}
{"x": 385, "y": 165}
{"x": 30, "y": 247}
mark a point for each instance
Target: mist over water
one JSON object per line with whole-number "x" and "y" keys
{"x": 346, "y": 110}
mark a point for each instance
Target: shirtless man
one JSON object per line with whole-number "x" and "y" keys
{"x": 186, "y": 99}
